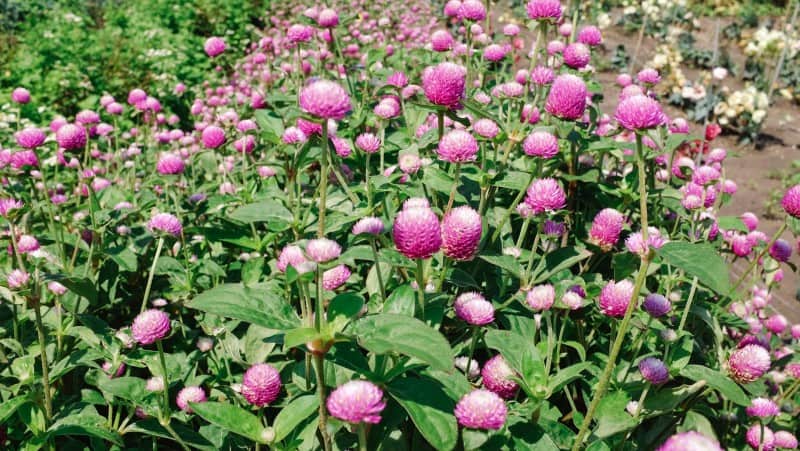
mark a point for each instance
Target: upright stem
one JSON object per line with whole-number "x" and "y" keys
{"x": 146, "y": 296}
{"x": 421, "y": 285}
{"x": 440, "y": 118}
{"x": 475, "y": 335}
{"x": 48, "y": 401}
{"x": 454, "y": 189}
{"x": 163, "y": 362}
{"x": 362, "y": 436}
{"x": 319, "y": 369}
{"x": 513, "y": 206}
{"x": 323, "y": 183}
{"x": 779, "y": 65}
{"x": 378, "y": 268}
{"x": 366, "y": 178}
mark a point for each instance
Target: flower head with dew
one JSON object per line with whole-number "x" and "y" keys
{"x": 325, "y": 99}
{"x": 356, "y": 402}
{"x": 481, "y": 409}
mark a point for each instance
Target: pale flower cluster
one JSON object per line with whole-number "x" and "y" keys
{"x": 667, "y": 60}
{"x": 765, "y": 43}
{"x": 740, "y": 105}
{"x": 656, "y": 11}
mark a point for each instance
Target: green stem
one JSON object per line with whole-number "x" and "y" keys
{"x": 378, "y": 269}
{"x": 511, "y": 208}
{"x": 454, "y": 189}
{"x": 48, "y": 401}
{"x": 421, "y": 285}
{"x": 163, "y": 362}
{"x": 362, "y": 436}
{"x": 147, "y": 287}
{"x": 323, "y": 183}
{"x": 475, "y": 335}
{"x": 366, "y": 178}
{"x": 440, "y": 117}
{"x": 319, "y": 369}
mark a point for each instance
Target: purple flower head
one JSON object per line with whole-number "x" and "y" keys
{"x": 748, "y": 363}
{"x": 30, "y": 138}
{"x": 369, "y": 225}
{"x": 335, "y": 277}
{"x": 481, "y": 409}
{"x": 545, "y": 195}
{"x": 261, "y": 384}
{"x": 648, "y": 76}
{"x": 165, "y": 223}
{"x": 496, "y": 374}
{"x": 653, "y": 370}
{"x": 20, "y": 96}
{"x": 150, "y": 326}
{"x": 486, "y": 128}
{"x": 461, "y": 233}
{"x": 472, "y": 10}
{"x": 656, "y": 305}
{"x": 474, "y": 309}
{"x": 7, "y": 206}
{"x": 328, "y": 18}
{"x": 577, "y": 55}
{"x": 444, "y": 84}
{"x": 190, "y": 394}
{"x": 357, "y": 401}
{"x": 614, "y": 298}
{"x": 639, "y": 113}
{"x": 567, "y": 97}
{"x": 549, "y": 10}
{"x": 690, "y": 441}
{"x": 170, "y": 164}
{"x": 541, "y": 297}
{"x": 590, "y": 35}
{"x": 368, "y": 142}
{"x": 417, "y": 232}
{"x": 542, "y": 75}
{"x": 213, "y": 137}
{"x": 756, "y": 441}
{"x": 762, "y": 408}
{"x": 290, "y": 255}
{"x": 606, "y": 227}
{"x": 71, "y": 137}
{"x": 458, "y": 146}
{"x": 325, "y": 99}
{"x": 785, "y": 439}
{"x": 17, "y": 279}
{"x": 540, "y": 144}
{"x": 781, "y": 250}
{"x": 323, "y": 250}
{"x": 299, "y": 33}
{"x": 214, "y": 46}
{"x": 791, "y": 201}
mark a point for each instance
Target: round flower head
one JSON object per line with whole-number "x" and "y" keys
{"x": 785, "y": 439}
{"x": 322, "y": 250}
{"x": 261, "y": 384}
{"x": 397, "y": 79}
{"x": 291, "y": 255}
{"x": 777, "y": 324}
{"x": 71, "y": 137}
{"x": 541, "y": 144}
{"x": 409, "y": 163}
{"x": 639, "y": 113}
{"x": 7, "y": 206}
{"x": 325, "y": 99}
{"x": 614, "y": 298}
{"x": 299, "y": 33}
{"x": 335, "y": 277}
{"x": 555, "y": 47}
{"x": 762, "y": 408}
{"x": 472, "y": 10}
{"x": 441, "y": 41}
{"x": 635, "y": 242}
{"x": 369, "y": 225}
{"x": 416, "y": 202}
{"x": 606, "y": 227}
{"x": 748, "y": 363}
{"x": 150, "y": 326}
{"x": 190, "y": 394}
{"x": 23, "y": 159}
{"x": 170, "y": 164}
{"x": 791, "y": 201}
{"x": 541, "y": 297}
{"x": 417, "y": 233}
{"x": 577, "y": 55}
{"x": 214, "y": 46}
{"x": 474, "y": 309}
{"x": 590, "y": 35}
{"x": 17, "y": 279}
{"x": 20, "y": 96}
{"x": 542, "y": 75}
{"x": 494, "y": 53}
{"x": 496, "y": 374}
{"x": 444, "y": 84}
{"x": 648, "y": 76}
{"x": 690, "y": 441}
{"x": 368, "y": 142}
{"x": 458, "y": 146}
{"x": 30, "y": 138}
{"x": 544, "y": 10}
{"x": 754, "y": 439}
{"x": 567, "y": 97}
{"x": 481, "y": 409}
{"x": 166, "y": 223}
{"x": 656, "y": 305}
{"x": 27, "y": 244}
{"x": 293, "y": 135}
{"x": 545, "y": 195}
{"x": 653, "y": 370}
{"x": 461, "y": 233}
{"x": 328, "y": 18}
{"x": 486, "y": 128}
{"x": 750, "y": 220}
{"x": 357, "y": 402}
{"x": 213, "y": 137}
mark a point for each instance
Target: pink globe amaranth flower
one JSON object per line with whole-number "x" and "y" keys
{"x": 542, "y": 75}
{"x": 545, "y": 195}
{"x": 648, "y": 76}
{"x": 452, "y": 8}
{"x": 261, "y": 384}
{"x": 472, "y": 10}
{"x": 540, "y": 144}
{"x": 20, "y": 96}
{"x": 417, "y": 233}
{"x": 214, "y": 46}
{"x": 369, "y": 225}
{"x": 458, "y": 146}
{"x": 555, "y": 48}
{"x": 474, "y": 309}
{"x": 777, "y": 324}
{"x": 27, "y": 244}
{"x": 762, "y": 408}
{"x": 368, "y": 142}
{"x": 170, "y": 164}
{"x": 679, "y": 125}
{"x": 639, "y": 113}
{"x": 496, "y": 374}
{"x": 341, "y": 146}
{"x": 213, "y": 137}
{"x": 328, "y": 18}
{"x": 323, "y": 250}
{"x": 293, "y": 135}
{"x": 7, "y": 206}
{"x": 150, "y": 326}
{"x": 577, "y": 55}
{"x": 30, "y": 138}
{"x": 299, "y": 33}
{"x": 335, "y": 277}
{"x": 155, "y": 383}
{"x": 541, "y": 298}
{"x": 136, "y": 95}
{"x": 481, "y": 409}
{"x": 461, "y": 233}
{"x": 444, "y": 84}
{"x": 56, "y": 288}
{"x": 71, "y": 137}
{"x": 590, "y": 35}
{"x": 441, "y": 41}
{"x": 190, "y": 394}
{"x": 785, "y": 439}
{"x": 24, "y": 159}
{"x": 754, "y": 439}
{"x": 87, "y": 117}
{"x": 325, "y": 99}
{"x": 791, "y": 201}
{"x": 567, "y": 97}
{"x": 511, "y": 29}
{"x": 416, "y": 202}
{"x": 606, "y": 227}
{"x": 741, "y": 245}
{"x": 781, "y": 250}
{"x": 690, "y": 441}
{"x": 397, "y": 79}
{"x": 17, "y": 279}
{"x": 653, "y": 370}
{"x": 290, "y": 255}
{"x": 635, "y": 242}
{"x": 656, "y": 305}
{"x": 572, "y": 300}
{"x": 494, "y": 53}
{"x": 486, "y": 128}
{"x": 357, "y": 401}
{"x": 544, "y": 10}
{"x": 614, "y": 298}
{"x": 705, "y": 175}
{"x": 108, "y": 366}
{"x": 409, "y": 163}
{"x": 750, "y": 220}
{"x": 748, "y": 363}
{"x": 166, "y": 223}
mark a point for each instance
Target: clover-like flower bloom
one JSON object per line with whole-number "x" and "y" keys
{"x": 545, "y": 195}
{"x": 486, "y": 128}
{"x": 461, "y": 233}
{"x": 541, "y": 297}
{"x": 369, "y": 225}
{"x": 328, "y": 18}
{"x": 785, "y": 439}
{"x": 190, "y": 394}
{"x": 335, "y": 277}
{"x": 606, "y": 227}
{"x": 17, "y": 279}
{"x": 754, "y": 439}
{"x": 614, "y": 298}
{"x": 472, "y": 10}
{"x": 474, "y": 309}
{"x": 540, "y": 144}
{"x": 590, "y": 35}
{"x": 494, "y": 53}
{"x": 27, "y": 244}
{"x": 368, "y": 142}
{"x": 496, "y": 374}
{"x": 290, "y": 255}
{"x": 20, "y": 96}
{"x": 791, "y": 201}
{"x": 397, "y": 79}
{"x": 748, "y": 363}
{"x": 544, "y": 10}
{"x": 169, "y": 164}
{"x": 762, "y": 408}
{"x": 214, "y": 46}
{"x": 261, "y": 384}
{"x": 213, "y": 137}
{"x": 635, "y": 242}
{"x": 639, "y": 112}
{"x": 542, "y": 75}
{"x": 649, "y": 76}
{"x": 441, "y": 41}
{"x": 417, "y": 232}
{"x": 656, "y": 305}
{"x": 444, "y": 84}
{"x": 458, "y": 146}
{"x": 71, "y": 137}
{"x": 481, "y": 409}
{"x": 323, "y": 250}
{"x": 166, "y": 223}
{"x": 577, "y": 55}
{"x": 8, "y": 205}
{"x": 30, "y": 138}
{"x": 690, "y": 441}
{"x": 357, "y": 401}
{"x": 299, "y": 33}
{"x": 567, "y": 97}
{"x": 325, "y": 99}
{"x": 653, "y": 370}
{"x": 150, "y": 326}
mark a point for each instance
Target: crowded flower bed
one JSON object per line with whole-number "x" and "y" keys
{"x": 391, "y": 226}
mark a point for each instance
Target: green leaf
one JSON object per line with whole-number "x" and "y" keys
{"x": 683, "y": 353}
{"x": 151, "y": 427}
{"x": 565, "y": 376}
{"x": 345, "y": 306}
{"x": 514, "y": 180}
{"x": 293, "y": 415}
{"x": 271, "y": 126}
{"x": 719, "y": 381}
{"x": 262, "y": 211}
{"x": 612, "y": 417}
{"x": 668, "y": 399}
{"x": 699, "y": 260}
{"x": 506, "y": 262}
{"x": 731, "y": 223}
{"x": 128, "y": 388}
{"x": 299, "y": 336}
{"x": 559, "y": 260}
{"x": 85, "y": 425}
{"x": 388, "y": 332}
{"x": 257, "y": 304}
{"x": 521, "y": 355}
{"x": 81, "y": 286}
{"x": 430, "y": 409}
{"x": 402, "y": 301}
{"x": 7, "y": 408}
{"x": 232, "y": 418}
